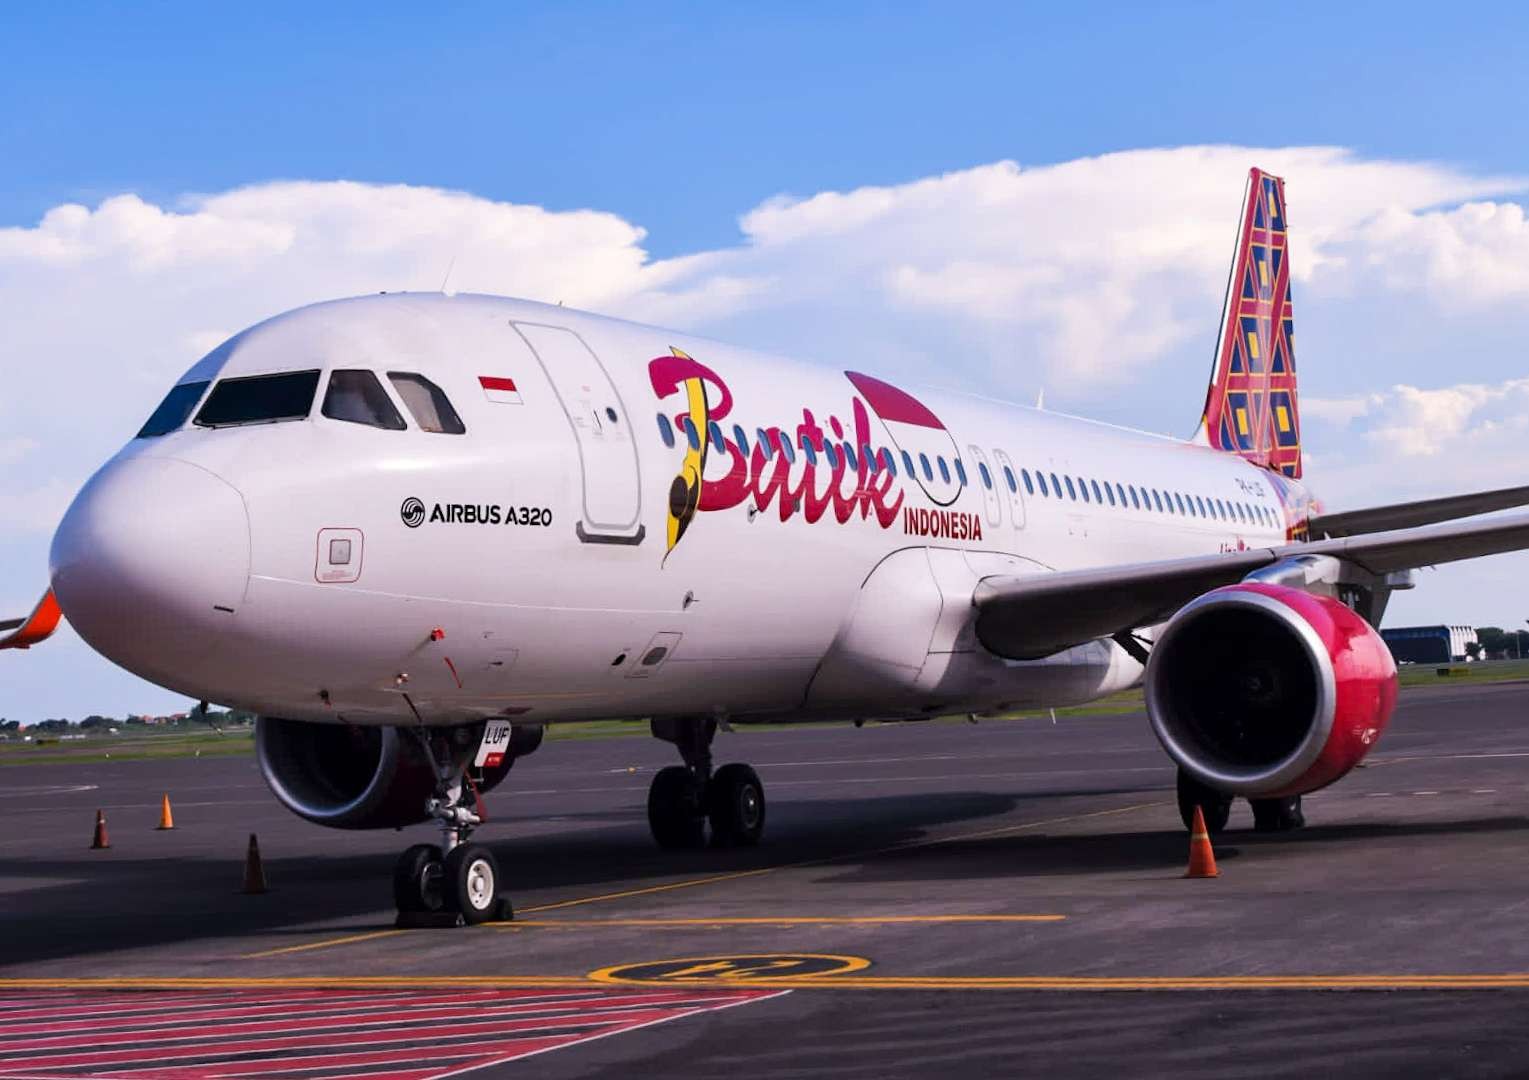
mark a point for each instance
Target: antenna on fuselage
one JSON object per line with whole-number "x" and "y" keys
{"x": 449, "y": 268}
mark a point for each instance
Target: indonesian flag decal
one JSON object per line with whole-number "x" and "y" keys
{"x": 917, "y": 432}
{"x": 500, "y": 389}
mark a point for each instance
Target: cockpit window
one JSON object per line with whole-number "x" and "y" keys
{"x": 173, "y": 410}
{"x": 356, "y": 397}
{"x": 259, "y": 399}
{"x": 429, "y": 404}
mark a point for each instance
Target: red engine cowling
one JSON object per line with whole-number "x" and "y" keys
{"x": 1267, "y": 691}
{"x": 349, "y": 777}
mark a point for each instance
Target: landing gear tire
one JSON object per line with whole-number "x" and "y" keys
{"x": 417, "y": 880}
{"x": 1216, "y": 807}
{"x": 674, "y": 809}
{"x": 1277, "y": 815}
{"x": 471, "y": 879}
{"x": 735, "y": 804}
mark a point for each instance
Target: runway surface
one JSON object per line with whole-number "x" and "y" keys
{"x": 991, "y": 898}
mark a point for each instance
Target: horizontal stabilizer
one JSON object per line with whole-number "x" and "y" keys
{"x": 38, "y": 626}
{"x": 1026, "y": 618}
{"x": 1411, "y": 515}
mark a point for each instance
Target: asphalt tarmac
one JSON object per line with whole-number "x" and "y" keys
{"x": 995, "y": 898}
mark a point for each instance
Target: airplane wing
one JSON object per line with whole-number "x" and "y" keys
{"x": 1412, "y": 514}
{"x": 38, "y": 626}
{"x": 1029, "y": 617}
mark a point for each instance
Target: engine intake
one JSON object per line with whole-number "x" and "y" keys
{"x": 1267, "y": 691}
{"x": 351, "y": 777}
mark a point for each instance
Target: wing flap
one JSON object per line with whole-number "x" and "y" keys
{"x": 38, "y": 626}
{"x": 1413, "y": 514}
{"x": 1025, "y": 618}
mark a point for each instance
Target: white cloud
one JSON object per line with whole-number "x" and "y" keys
{"x": 1100, "y": 279}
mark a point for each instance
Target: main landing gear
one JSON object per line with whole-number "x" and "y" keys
{"x": 1269, "y": 815}
{"x": 684, "y": 799}
{"x": 453, "y": 882}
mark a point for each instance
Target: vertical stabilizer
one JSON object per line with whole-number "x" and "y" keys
{"x": 1251, "y": 408}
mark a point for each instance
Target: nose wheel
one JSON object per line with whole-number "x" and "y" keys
{"x": 455, "y": 882}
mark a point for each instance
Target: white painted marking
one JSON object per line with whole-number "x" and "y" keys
{"x": 1425, "y": 793}
{"x": 1378, "y": 795}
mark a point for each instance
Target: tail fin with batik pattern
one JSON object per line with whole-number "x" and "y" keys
{"x": 1251, "y": 408}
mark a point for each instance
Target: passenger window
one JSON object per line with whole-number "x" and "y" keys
{"x": 259, "y": 399}
{"x": 1110, "y": 493}
{"x": 961, "y": 472}
{"x": 356, "y": 397}
{"x": 666, "y": 431}
{"x": 1135, "y": 502}
{"x": 887, "y": 461}
{"x": 431, "y": 409}
{"x": 1178, "y": 500}
{"x": 1095, "y": 485}
{"x": 1157, "y": 499}
{"x": 173, "y": 411}
{"x": 691, "y": 436}
{"x": 1042, "y": 478}
{"x": 849, "y": 458}
{"x": 786, "y": 450}
{"x": 808, "y": 452}
{"x": 1029, "y": 484}
{"x": 1200, "y": 504}
{"x": 1071, "y": 491}
{"x": 1082, "y": 486}
{"x": 831, "y": 452}
{"x": 764, "y": 443}
{"x": 867, "y": 458}
{"x": 1121, "y": 491}
{"x": 923, "y": 459}
{"x": 741, "y": 439}
{"x": 1056, "y": 485}
{"x": 987, "y": 478}
{"x": 908, "y": 465}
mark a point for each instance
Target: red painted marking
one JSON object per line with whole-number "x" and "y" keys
{"x": 327, "y": 1034}
{"x": 496, "y": 382}
{"x": 892, "y": 404}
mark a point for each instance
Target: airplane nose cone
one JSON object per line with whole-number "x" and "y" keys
{"x": 150, "y": 564}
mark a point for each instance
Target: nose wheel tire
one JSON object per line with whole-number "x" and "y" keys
{"x": 1277, "y": 815}
{"x": 1216, "y": 806}
{"x": 471, "y": 879}
{"x": 736, "y": 806}
{"x": 417, "y": 880}
{"x": 674, "y": 809}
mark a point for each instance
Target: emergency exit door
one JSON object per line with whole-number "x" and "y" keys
{"x": 612, "y": 506}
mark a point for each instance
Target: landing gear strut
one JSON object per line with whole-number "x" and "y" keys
{"x": 453, "y": 882}
{"x": 1277, "y": 815}
{"x": 1216, "y": 806}
{"x": 683, "y": 799}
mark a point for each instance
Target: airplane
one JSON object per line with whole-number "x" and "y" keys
{"x": 411, "y": 530}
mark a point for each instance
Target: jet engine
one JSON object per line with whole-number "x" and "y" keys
{"x": 1268, "y": 692}
{"x": 352, "y": 777}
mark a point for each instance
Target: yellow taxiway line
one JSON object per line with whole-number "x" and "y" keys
{"x": 1503, "y": 981}
{"x": 780, "y": 920}
{"x": 739, "y": 875}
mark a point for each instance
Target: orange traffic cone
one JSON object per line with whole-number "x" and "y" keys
{"x": 100, "y": 841}
{"x": 254, "y": 872}
{"x": 1202, "y": 857}
{"x": 166, "y": 819}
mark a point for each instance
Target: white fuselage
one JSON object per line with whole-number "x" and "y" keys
{"x": 536, "y": 579}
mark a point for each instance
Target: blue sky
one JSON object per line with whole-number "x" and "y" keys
{"x": 718, "y": 151}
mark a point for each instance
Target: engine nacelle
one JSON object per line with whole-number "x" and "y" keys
{"x": 352, "y": 777}
{"x": 1267, "y": 691}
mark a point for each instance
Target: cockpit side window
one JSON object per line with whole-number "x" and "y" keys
{"x": 174, "y": 410}
{"x": 355, "y": 396}
{"x": 428, "y": 403}
{"x": 259, "y": 399}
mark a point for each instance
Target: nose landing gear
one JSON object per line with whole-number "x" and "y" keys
{"x": 684, "y": 799}
{"x": 454, "y": 882}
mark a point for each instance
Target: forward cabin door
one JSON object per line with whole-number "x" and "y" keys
{"x": 612, "y": 506}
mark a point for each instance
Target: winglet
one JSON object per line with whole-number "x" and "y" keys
{"x": 38, "y": 626}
